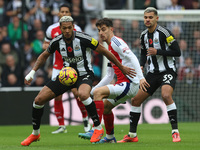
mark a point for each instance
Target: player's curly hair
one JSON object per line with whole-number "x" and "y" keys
{"x": 104, "y": 21}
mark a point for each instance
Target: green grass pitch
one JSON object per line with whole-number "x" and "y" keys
{"x": 151, "y": 137}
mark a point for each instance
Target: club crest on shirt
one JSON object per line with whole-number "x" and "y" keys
{"x": 77, "y": 48}
{"x": 155, "y": 41}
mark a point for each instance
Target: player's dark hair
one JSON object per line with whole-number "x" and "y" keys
{"x": 104, "y": 21}
{"x": 151, "y": 9}
{"x": 66, "y": 5}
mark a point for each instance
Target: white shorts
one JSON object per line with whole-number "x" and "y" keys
{"x": 55, "y": 72}
{"x": 119, "y": 93}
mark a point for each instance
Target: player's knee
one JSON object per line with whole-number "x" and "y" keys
{"x": 135, "y": 102}
{"x": 39, "y": 101}
{"x": 97, "y": 94}
{"x": 166, "y": 96}
{"x": 83, "y": 96}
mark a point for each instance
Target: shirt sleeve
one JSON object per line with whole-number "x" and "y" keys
{"x": 173, "y": 50}
{"x": 52, "y": 47}
{"x": 143, "y": 54}
{"x": 106, "y": 79}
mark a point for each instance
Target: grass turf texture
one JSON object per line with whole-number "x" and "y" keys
{"x": 151, "y": 137}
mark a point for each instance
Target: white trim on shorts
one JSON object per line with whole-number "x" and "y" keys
{"x": 55, "y": 72}
{"x": 118, "y": 89}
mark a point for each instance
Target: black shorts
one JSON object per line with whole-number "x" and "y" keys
{"x": 58, "y": 88}
{"x": 159, "y": 79}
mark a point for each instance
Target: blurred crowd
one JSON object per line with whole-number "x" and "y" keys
{"x": 23, "y": 24}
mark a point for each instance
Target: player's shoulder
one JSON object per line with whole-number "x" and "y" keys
{"x": 143, "y": 32}
{"x": 164, "y": 30}
{"x": 53, "y": 26}
{"x": 77, "y": 28}
{"x": 117, "y": 41}
{"x": 56, "y": 39}
{"x": 82, "y": 35}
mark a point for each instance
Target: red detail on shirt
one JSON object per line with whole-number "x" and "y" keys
{"x": 58, "y": 62}
{"x": 69, "y": 49}
{"x": 120, "y": 76}
{"x": 150, "y": 41}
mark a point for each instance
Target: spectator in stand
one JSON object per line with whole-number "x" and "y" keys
{"x": 15, "y": 32}
{"x": 91, "y": 28}
{"x": 195, "y": 4}
{"x": 132, "y": 32}
{"x": 40, "y": 72}
{"x": 115, "y": 4}
{"x": 196, "y": 53}
{"x": 7, "y": 50}
{"x": 79, "y": 16}
{"x": 142, "y": 4}
{"x": 37, "y": 43}
{"x": 93, "y": 7}
{"x": 187, "y": 4}
{"x": 39, "y": 10}
{"x": 14, "y": 8}
{"x": 163, "y": 4}
{"x": 188, "y": 74}
{"x": 39, "y": 81}
{"x": 12, "y": 81}
{"x": 28, "y": 53}
{"x": 118, "y": 28}
{"x": 10, "y": 67}
{"x": 54, "y": 7}
{"x": 3, "y": 20}
{"x": 33, "y": 29}
{"x": 184, "y": 53}
{"x": 176, "y": 30}
{"x": 3, "y": 35}
{"x": 174, "y": 7}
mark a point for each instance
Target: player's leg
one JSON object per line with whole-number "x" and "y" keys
{"x": 135, "y": 113}
{"x": 44, "y": 96}
{"x": 108, "y": 122}
{"x": 115, "y": 95}
{"x": 58, "y": 107}
{"x": 82, "y": 109}
{"x": 167, "y": 91}
{"x": 59, "y": 112}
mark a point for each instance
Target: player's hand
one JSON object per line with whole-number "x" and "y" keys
{"x": 151, "y": 51}
{"x": 45, "y": 45}
{"x": 129, "y": 71}
{"x": 29, "y": 77}
{"x": 144, "y": 84}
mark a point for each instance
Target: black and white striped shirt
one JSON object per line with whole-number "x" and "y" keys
{"x": 167, "y": 48}
{"x": 77, "y": 54}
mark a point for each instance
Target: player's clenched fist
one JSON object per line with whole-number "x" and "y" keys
{"x": 29, "y": 77}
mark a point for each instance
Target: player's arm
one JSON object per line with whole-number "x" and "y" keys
{"x": 106, "y": 79}
{"x": 143, "y": 54}
{"x": 39, "y": 62}
{"x": 172, "y": 51}
{"x": 125, "y": 70}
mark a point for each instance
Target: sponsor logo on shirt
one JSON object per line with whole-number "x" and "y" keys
{"x": 73, "y": 60}
{"x": 170, "y": 40}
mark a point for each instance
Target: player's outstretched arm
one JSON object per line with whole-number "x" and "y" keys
{"x": 39, "y": 62}
{"x": 125, "y": 70}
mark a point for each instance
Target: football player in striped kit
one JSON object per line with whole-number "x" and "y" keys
{"x": 51, "y": 32}
{"x": 158, "y": 49}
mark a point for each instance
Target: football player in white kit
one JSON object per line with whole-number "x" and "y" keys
{"x": 124, "y": 88}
